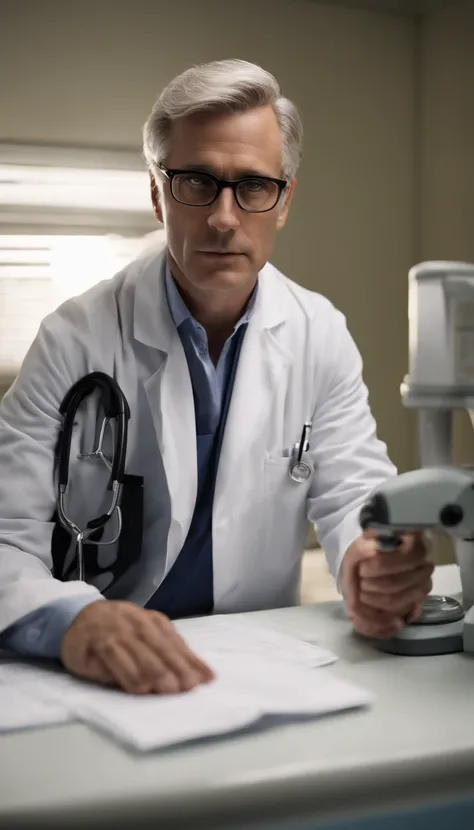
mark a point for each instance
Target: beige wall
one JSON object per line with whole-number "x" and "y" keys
{"x": 446, "y": 132}
{"x": 87, "y": 73}
{"x": 388, "y": 106}
{"x": 447, "y": 160}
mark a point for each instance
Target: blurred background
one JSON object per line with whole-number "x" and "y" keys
{"x": 386, "y": 92}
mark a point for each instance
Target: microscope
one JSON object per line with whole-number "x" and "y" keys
{"x": 439, "y": 496}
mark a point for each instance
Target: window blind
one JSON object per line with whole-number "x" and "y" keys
{"x": 38, "y": 272}
{"x": 69, "y": 217}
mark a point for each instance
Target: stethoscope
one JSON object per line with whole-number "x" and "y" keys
{"x": 115, "y": 407}
{"x": 300, "y": 471}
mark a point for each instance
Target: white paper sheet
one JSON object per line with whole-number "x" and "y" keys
{"x": 245, "y": 690}
{"x": 224, "y": 635}
{"x": 153, "y": 722}
{"x": 21, "y": 710}
{"x": 242, "y": 694}
{"x": 259, "y": 672}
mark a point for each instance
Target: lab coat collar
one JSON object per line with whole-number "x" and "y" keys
{"x": 153, "y": 324}
{"x": 153, "y": 321}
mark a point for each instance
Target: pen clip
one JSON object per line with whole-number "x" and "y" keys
{"x": 303, "y": 446}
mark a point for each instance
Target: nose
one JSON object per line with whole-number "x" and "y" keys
{"x": 224, "y": 212}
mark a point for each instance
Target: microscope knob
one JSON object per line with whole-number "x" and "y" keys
{"x": 451, "y": 515}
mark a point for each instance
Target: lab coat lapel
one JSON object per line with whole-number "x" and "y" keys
{"x": 169, "y": 392}
{"x": 262, "y": 369}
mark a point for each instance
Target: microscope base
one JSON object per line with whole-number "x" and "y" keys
{"x": 441, "y": 639}
{"x": 438, "y": 631}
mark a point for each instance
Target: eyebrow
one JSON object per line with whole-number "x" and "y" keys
{"x": 243, "y": 174}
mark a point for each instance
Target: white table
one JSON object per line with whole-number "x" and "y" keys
{"x": 414, "y": 746}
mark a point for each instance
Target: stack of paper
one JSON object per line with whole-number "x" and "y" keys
{"x": 258, "y": 673}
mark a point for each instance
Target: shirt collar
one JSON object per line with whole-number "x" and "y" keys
{"x": 180, "y": 312}
{"x": 178, "y": 309}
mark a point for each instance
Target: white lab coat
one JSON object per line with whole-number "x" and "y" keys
{"x": 298, "y": 362}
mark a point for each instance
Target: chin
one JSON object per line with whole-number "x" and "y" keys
{"x": 223, "y": 279}
{"x": 223, "y": 276}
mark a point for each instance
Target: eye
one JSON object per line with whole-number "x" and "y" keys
{"x": 254, "y": 185}
{"x": 197, "y": 180}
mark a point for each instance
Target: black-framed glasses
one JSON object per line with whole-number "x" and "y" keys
{"x": 254, "y": 194}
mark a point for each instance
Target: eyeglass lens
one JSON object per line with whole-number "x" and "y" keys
{"x": 199, "y": 189}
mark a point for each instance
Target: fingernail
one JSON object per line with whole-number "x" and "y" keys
{"x": 190, "y": 681}
{"x": 207, "y": 675}
{"x": 168, "y": 685}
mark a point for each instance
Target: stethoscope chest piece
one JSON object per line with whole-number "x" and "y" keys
{"x": 300, "y": 472}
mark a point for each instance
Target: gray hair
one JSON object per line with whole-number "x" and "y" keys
{"x": 222, "y": 86}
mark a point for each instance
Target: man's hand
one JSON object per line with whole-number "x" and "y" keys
{"x": 120, "y": 644}
{"x": 384, "y": 591}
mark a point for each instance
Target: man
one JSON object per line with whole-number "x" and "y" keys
{"x": 222, "y": 360}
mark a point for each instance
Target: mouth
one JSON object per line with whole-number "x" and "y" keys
{"x": 222, "y": 253}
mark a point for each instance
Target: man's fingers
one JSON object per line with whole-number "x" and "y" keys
{"x": 363, "y": 551}
{"x": 117, "y": 643}
{"x": 375, "y": 622}
{"x": 399, "y": 603}
{"x": 194, "y": 661}
{"x": 414, "y": 613}
{"x": 384, "y": 591}
{"x": 394, "y": 562}
{"x": 120, "y": 665}
{"x": 176, "y": 663}
{"x": 415, "y": 541}
{"x": 136, "y": 669}
{"x": 393, "y": 583}
{"x": 97, "y": 670}
{"x": 378, "y": 630}
{"x": 376, "y": 616}
{"x": 204, "y": 671}
{"x": 165, "y": 626}
{"x": 162, "y": 639}
{"x": 374, "y": 632}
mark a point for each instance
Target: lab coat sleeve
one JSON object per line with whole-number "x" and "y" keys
{"x": 40, "y": 633}
{"x": 349, "y": 459}
{"x": 29, "y": 427}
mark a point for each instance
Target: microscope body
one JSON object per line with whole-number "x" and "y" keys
{"x": 441, "y": 336}
{"x": 441, "y": 373}
{"x": 438, "y": 496}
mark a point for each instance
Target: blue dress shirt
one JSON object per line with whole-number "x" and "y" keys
{"x": 187, "y": 589}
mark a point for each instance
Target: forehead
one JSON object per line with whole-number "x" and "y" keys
{"x": 228, "y": 143}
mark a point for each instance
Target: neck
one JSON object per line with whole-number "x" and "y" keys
{"x": 218, "y": 312}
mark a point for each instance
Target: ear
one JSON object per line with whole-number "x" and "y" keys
{"x": 155, "y": 198}
{"x": 284, "y": 210}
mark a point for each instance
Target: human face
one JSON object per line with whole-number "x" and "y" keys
{"x": 221, "y": 248}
